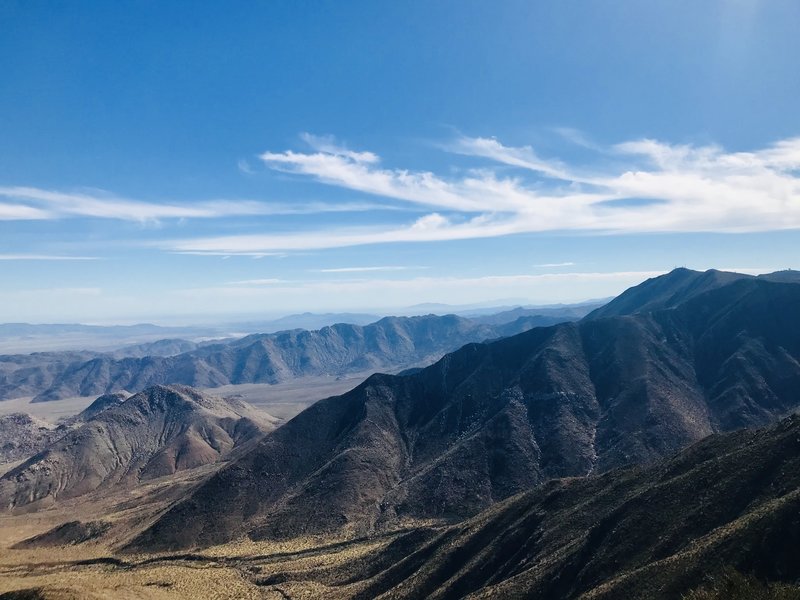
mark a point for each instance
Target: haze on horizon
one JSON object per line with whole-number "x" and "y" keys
{"x": 185, "y": 159}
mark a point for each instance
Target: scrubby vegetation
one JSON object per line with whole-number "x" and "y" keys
{"x": 732, "y": 585}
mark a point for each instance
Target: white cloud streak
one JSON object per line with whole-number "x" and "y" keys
{"x": 636, "y": 186}
{"x": 21, "y": 212}
{"x": 45, "y": 257}
{"x": 385, "y": 292}
{"x": 367, "y": 269}
{"x": 523, "y": 157}
{"x": 660, "y": 188}
{"x": 255, "y": 255}
{"x": 256, "y": 282}
{"x": 30, "y": 203}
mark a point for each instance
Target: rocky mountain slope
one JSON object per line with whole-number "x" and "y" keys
{"x": 676, "y": 287}
{"x": 22, "y": 435}
{"x": 100, "y": 404}
{"x": 490, "y": 420}
{"x": 157, "y": 432}
{"x": 391, "y": 343}
{"x": 730, "y": 501}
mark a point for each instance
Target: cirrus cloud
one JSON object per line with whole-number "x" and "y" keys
{"x": 636, "y": 186}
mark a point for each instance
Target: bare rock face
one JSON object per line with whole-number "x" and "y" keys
{"x": 157, "y": 432}
{"x": 102, "y": 403}
{"x": 491, "y": 420}
{"x": 22, "y": 435}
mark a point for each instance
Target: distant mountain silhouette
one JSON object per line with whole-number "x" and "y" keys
{"x": 490, "y": 420}
{"x": 25, "y": 337}
{"x": 165, "y": 347}
{"x": 157, "y": 432}
{"x": 540, "y": 317}
{"x": 390, "y": 343}
{"x": 28, "y": 374}
{"x": 306, "y": 320}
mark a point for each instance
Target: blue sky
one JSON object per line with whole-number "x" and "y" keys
{"x": 179, "y": 161}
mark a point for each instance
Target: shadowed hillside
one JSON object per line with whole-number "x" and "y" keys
{"x": 493, "y": 419}
{"x": 676, "y": 287}
{"x": 727, "y": 502}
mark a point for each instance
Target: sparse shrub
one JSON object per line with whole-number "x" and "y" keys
{"x": 732, "y": 585}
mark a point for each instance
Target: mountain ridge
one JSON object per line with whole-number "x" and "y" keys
{"x": 490, "y": 420}
{"x": 729, "y": 501}
{"x": 157, "y": 432}
{"x": 390, "y": 343}
{"x": 678, "y": 286}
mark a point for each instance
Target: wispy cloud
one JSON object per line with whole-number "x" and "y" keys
{"x": 636, "y": 186}
{"x": 360, "y": 171}
{"x": 21, "y": 212}
{"x": 367, "y": 269}
{"x": 45, "y": 257}
{"x": 433, "y": 282}
{"x": 74, "y": 291}
{"x": 385, "y": 292}
{"x": 255, "y": 255}
{"x": 61, "y": 204}
{"x": 554, "y": 265}
{"x": 29, "y": 203}
{"x": 257, "y": 282}
{"x": 577, "y": 137}
{"x": 523, "y": 157}
{"x": 245, "y": 167}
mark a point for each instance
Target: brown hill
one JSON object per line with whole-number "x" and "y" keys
{"x": 154, "y": 433}
{"x": 493, "y": 419}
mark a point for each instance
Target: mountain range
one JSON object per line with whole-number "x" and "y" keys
{"x": 491, "y": 420}
{"x": 634, "y": 453}
{"x": 390, "y": 343}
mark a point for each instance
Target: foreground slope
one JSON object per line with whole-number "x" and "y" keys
{"x": 157, "y": 432}
{"x": 730, "y": 501}
{"x": 493, "y": 419}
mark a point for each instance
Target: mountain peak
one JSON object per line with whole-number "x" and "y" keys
{"x": 666, "y": 291}
{"x": 156, "y": 432}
